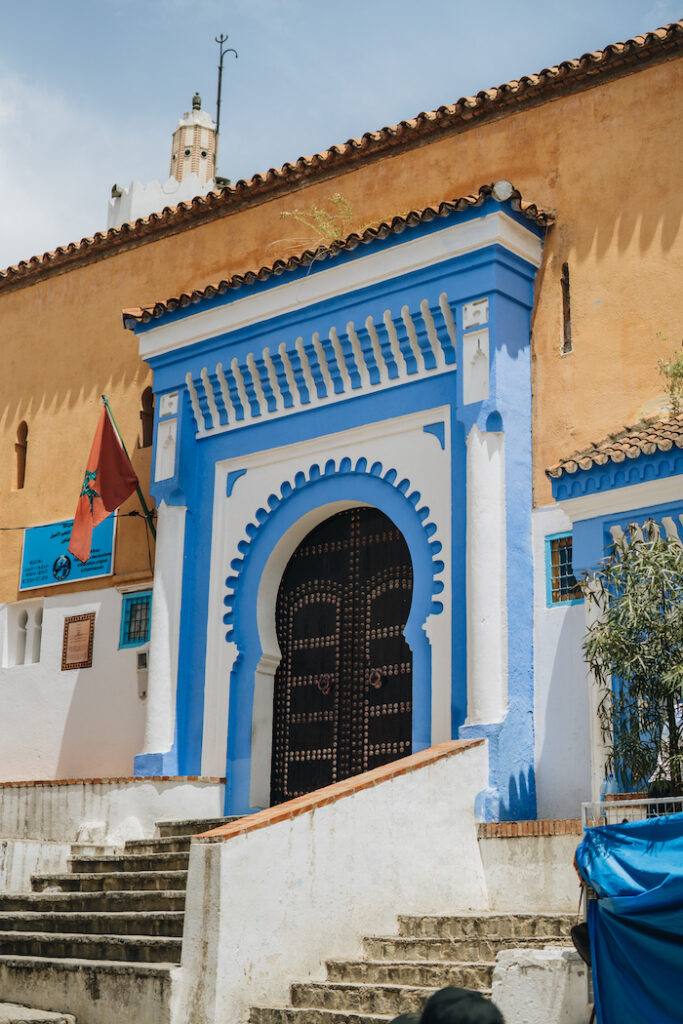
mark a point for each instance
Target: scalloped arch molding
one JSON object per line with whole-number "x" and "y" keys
{"x": 303, "y": 481}
{"x": 339, "y": 482}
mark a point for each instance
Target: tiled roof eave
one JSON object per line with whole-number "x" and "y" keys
{"x": 134, "y": 316}
{"x": 613, "y": 61}
{"x": 647, "y": 438}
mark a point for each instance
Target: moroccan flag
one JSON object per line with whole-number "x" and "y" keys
{"x": 109, "y": 480}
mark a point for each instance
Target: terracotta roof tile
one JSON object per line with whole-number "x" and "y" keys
{"x": 543, "y": 218}
{"x": 582, "y": 72}
{"x": 644, "y": 438}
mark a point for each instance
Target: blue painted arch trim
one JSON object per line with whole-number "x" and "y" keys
{"x": 314, "y": 490}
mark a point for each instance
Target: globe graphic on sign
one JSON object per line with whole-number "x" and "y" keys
{"x": 62, "y": 567}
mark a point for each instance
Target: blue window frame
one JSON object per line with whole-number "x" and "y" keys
{"x": 560, "y": 582}
{"x": 136, "y": 617}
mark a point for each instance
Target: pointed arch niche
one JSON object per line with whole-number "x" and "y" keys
{"x": 20, "y": 450}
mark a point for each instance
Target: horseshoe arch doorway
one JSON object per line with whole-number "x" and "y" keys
{"x": 343, "y": 689}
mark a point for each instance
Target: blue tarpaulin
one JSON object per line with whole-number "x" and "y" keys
{"x": 636, "y": 925}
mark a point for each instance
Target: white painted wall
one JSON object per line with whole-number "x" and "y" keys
{"x": 531, "y": 874}
{"x": 104, "y": 811}
{"x": 81, "y": 723}
{"x": 598, "y": 748}
{"x": 487, "y": 641}
{"x": 20, "y": 859}
{"x": 140, "y": 200}
{"x": 541, "y": 986}
{"x": 266, "y": 907}
{"x": 399, "y": 443}
{"x": 561, "y": 714}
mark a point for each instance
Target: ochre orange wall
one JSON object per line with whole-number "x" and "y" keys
{"x": 607, "y": 160}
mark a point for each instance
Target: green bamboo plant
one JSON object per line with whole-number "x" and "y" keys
{"x": 635, "y": 651}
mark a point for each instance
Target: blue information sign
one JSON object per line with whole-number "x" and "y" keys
{"x": 46, "y": 560}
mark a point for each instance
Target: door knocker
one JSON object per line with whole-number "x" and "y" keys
{"x": 375, "y": 678}
{"x": 324, "y": 683}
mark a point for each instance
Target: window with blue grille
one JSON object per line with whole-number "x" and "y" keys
{"x": 561, "y": 585}
{"x": 136, "y": 616}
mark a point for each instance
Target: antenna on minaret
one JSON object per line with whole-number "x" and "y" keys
{"x": 221, "y": 39}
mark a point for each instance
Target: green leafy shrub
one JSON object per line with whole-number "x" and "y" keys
{"x": 635, "y": 650}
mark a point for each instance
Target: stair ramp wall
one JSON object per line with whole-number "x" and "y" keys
{"x": 270, "y": 896}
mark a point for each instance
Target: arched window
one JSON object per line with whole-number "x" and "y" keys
{"x": 24, "y": 634}
{"x": 22, "y": 624}
{"x": 147, "y": 418}
{"x": 37, "y": 635}
{"x": 20, "y": 446}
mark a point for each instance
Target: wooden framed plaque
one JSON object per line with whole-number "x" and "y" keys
{"x": 79, "y": 633}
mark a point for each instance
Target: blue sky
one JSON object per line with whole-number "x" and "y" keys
{"x": 90, "y": 90}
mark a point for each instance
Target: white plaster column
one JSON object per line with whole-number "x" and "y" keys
{"x": 487, "y": 686}
{"x": 598, "y": 750}
{"x": 163, "y": 642}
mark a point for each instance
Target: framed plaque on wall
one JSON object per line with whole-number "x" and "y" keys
{"x": 79, "y": 633}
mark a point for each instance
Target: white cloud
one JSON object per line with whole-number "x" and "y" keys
{"x": 56, "y": 169}
{"x": 663, "y": 12}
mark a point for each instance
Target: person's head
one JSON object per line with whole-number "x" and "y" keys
{"x": 460, "y": 1006}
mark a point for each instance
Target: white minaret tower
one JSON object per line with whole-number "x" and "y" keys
{"x": 193, "y": 171}
{"x": 194, "y": 144}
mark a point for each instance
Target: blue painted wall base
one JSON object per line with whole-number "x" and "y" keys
{"x": 147, "y": 765}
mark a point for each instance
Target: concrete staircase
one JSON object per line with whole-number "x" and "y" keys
{"x": 10, "y": 1013}
{"x": 397, "y": 974}
{"x": 102, "y": 941}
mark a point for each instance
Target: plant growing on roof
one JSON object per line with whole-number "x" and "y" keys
{"x": 672, "y": 370}
{"x": 635, "y": 650}
{"x": 326, "y": 224}
{"x": 331, "y": 222}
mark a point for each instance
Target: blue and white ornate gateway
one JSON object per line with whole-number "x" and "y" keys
{"x": 394, "y": 375}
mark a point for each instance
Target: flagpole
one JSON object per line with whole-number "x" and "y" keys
{"x": 143, "y": 503}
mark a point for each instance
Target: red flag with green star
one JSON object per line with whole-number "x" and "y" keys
{"x": 109, "y": 479}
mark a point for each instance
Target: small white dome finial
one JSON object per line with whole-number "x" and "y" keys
{"x": 502, "y": 190}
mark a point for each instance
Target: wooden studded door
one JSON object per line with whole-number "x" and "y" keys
{"x": 343, "y": 689}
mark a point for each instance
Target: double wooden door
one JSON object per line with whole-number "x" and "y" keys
{"x": 343, "y": 689}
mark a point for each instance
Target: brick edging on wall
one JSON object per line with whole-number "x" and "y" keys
{"x": 615, "y": 798}
{"x": 26, "y": 784}
{"x": 522, "y": 829}
{"x": 338, "y": 790}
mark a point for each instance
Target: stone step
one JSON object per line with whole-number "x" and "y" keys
{"x": 86, "y": 902}
{"x": 172, "y": 861}
{"x": 157, "y": 922}
{"x": 472, "y": 950}
{"x": 304, "y": 1015}
{"x": 93, "y": 849}
{"x": 489, "y": 925}
{"x": 413, "y": 973}
{"x": 10, "y": 1013}
{"x": 192, "y": 826}
{"x": 359, "y": 998}
{"x": 172, "y": 844}
{"x": 97, "y": 992}
{"x": 114, "y": 881}
{"x": 123, "y": 948}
